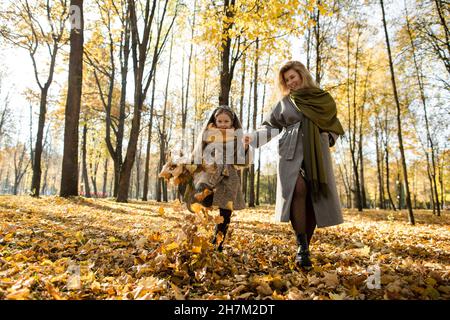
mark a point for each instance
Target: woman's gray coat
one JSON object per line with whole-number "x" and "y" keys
{"x": 286, "y": 117}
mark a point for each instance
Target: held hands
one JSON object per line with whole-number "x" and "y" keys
{"x": 246, "y": 140}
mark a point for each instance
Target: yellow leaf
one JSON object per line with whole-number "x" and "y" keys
{"x": 365, "y": 251}
{"x": 430, "y": 282}
{"x": 196, "y": 249}
{"x": 172, "y": 246}
{"x": 80, "y": 237}
{"x": 8, "y": 237}
{"x": 156, "y": 236}
{"x": 337, "y": 296}
{"x": 112, "y": 239}
{"x": 432, "y": 293}
{"x": 95, "y": 286}
{"x": 53, "y": 291}
{"x": 218, "y": 219}
{"x": 353, "y": 292}
{"x": 22, "y": 294}
{"x": 196, "y": 207}
{"x": 161, "y": 211}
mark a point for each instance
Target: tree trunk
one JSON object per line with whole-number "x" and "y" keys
{"x": 185, "y": 105}
{"x": 258, "y": 181}
{"x": 69, "y": 174}
{"x": 352, "y": 123}
{"x": 317, "y": 46}
{"x": 138, "y": 169}
{"x": 439, "y": 8}
{"x": 360, "y": 141}
{"x": 94, "y": 171}
{"x": 245, "y": 172}
{"x": 226, "y": 74}
{"x": 251, "y": 202}
{"x": 399, "y": 132}
{"x": 441, "y": 181}
{"x": 19, "y": 170}
{"x": 140, "y": 53}
{"x": 162, "y": 133}
{"x": 36, "y": 180}
{"x": 381, "y": 203}
{"x": 430, "y": 144}
{"x": 241, "y": 104}
{"x": 149, "y": 143}
{"x": 105, "y": 178}
{"x": 388, "y": 188}
{"x": 87, "y": 190}
{"x": 118, "y": 160}
{"x": 308, "y": 49}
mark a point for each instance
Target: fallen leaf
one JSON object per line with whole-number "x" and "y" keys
{"x": 337, "y": 296}
{"x": 264, "y": 289}
{"x": 177, "y": 292}
{"x": 331, "y": 279}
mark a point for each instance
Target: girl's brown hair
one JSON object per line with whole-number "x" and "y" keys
{"x": 305, "y": 76}
{"x": 226, "y": 110}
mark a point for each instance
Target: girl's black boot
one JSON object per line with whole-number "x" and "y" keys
{"x": 220, "y": 228}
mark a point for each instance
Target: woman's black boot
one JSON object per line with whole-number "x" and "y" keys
{"x": 302, "y": 258}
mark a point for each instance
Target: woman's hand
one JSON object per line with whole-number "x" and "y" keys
{"x": 247, "y": 139}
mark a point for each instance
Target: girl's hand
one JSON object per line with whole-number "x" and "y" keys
{"x": 246, "y": 140}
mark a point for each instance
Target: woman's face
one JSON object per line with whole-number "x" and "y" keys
{"x": 293, "y": 80}
{"x": 223, "y": 121}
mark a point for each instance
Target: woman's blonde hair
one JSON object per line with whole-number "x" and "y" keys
{"x": 305, "y": 76}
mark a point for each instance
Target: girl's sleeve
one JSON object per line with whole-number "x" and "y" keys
{"x": 270, "y": 128}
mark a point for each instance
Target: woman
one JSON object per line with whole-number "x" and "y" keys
{"x": 306, "y": 188}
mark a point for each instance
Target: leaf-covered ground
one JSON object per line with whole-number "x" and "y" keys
{"x": 54, "y": 248}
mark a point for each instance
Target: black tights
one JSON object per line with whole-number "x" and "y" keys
{"x": 302, "y": 215}
{"x": 225, "y": 213}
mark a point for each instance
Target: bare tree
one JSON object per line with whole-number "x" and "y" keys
{"x": 69, "y": 173}
{"x": 429, "y": 144}
{"x": 140, "y": 53}
{"x": 84, "y": 169}
{"x": 20, "y": 165}
{"x": 114, "y": 125}
{"x": 399, "y": 124}
{"x": 37, "y": 35}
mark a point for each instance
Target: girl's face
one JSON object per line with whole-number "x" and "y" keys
{"x": 223, "y": 121}
{"x": 293, "y": 80}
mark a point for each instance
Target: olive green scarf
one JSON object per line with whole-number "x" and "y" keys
{"x": 320, "y": 113}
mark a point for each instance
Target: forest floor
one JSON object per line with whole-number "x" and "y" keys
{"x": 55, "y": 248}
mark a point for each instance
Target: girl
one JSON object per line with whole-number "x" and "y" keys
{"x": 219, "y": 183}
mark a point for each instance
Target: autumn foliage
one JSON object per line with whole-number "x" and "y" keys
{"x": 54, "y": 248}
